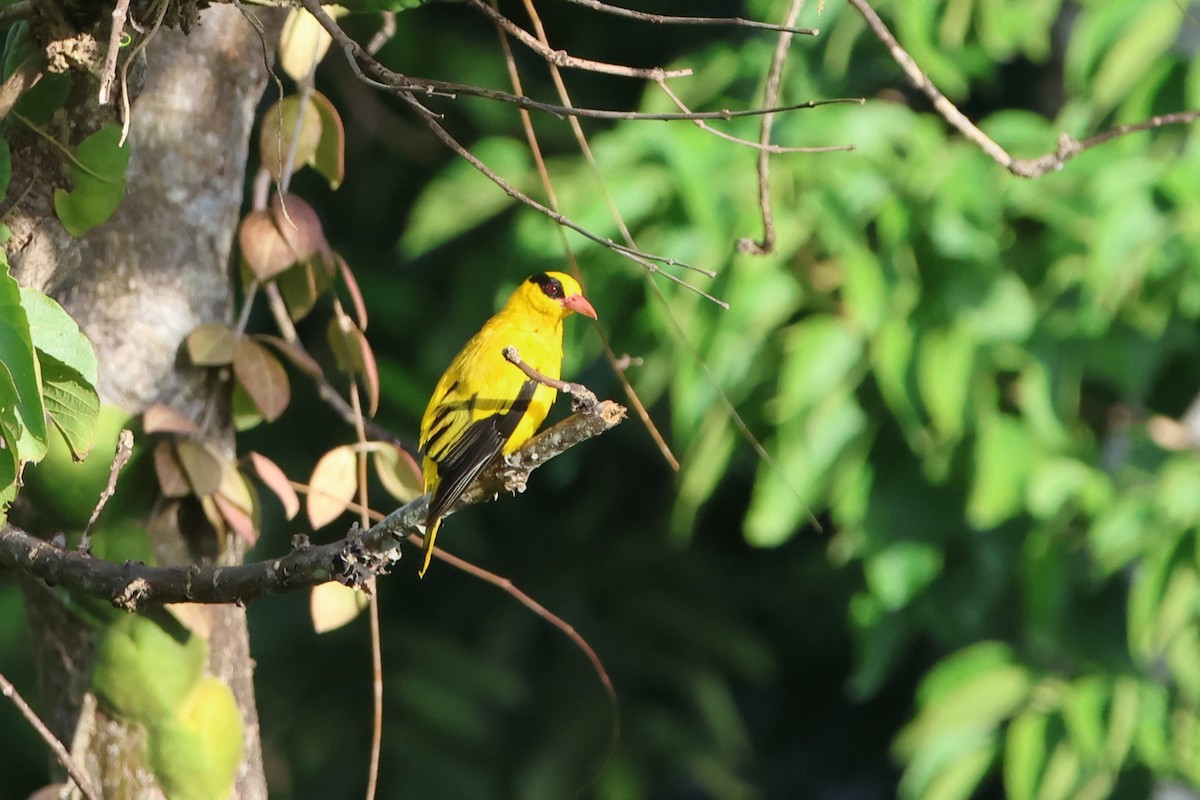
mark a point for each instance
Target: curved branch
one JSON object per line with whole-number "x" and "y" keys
{"x": 1067, "y": 148}
{"x": 353, "y": 560}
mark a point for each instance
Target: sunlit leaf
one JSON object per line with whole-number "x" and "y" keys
{"x": 398, "y": 472}
{"x": 303, "y": 43}
{"x": 331, "y": 605}
{"x": 275, "y": 480}
{"x": 22, "y": 413}
{"x": 332, "y": 486}
{"x": 98, "y": 179}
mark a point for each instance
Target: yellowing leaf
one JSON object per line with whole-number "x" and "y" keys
{"x": 332, "y": 605}
{"x": 398, "y": 472}
{"x": 291, "y": 131}
{"x": 302, "y": 44}
{"x": 332, "y": 486}
{"x": 211, "y": 345}
{"x": 200, "y": 465}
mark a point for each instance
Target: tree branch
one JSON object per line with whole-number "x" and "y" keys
{"x": 353, "y": 560}
{"x": 1068, "y": 147}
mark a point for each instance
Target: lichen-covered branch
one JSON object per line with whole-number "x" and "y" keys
{"x": 353, "y": 560}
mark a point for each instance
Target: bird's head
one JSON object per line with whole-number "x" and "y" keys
{"x": 555, "y": 293}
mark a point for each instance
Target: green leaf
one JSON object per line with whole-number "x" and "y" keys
{"x": 459, "y": 198}
{"x": 901, "y": 571}
{"x": 820, "y": 353}
{"x": 1150, "y": 32}
{"x": 944, "y": 366}
{"x": 72, "y": 403}
{"x": 22, "y": 412}
{"x": 98, "y": 175}
{"x": 1025, "y": 754}
{"x": 68, "y": 370}
{"x": 1004, "y": 451}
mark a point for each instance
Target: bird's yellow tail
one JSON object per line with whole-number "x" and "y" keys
{"x": 430, "y": 534}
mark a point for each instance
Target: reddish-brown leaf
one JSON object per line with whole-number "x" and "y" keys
{"x": 171, "y": 480}
{"x": 264, "y": 248}
{"x": 330, "y": 157}
{"x": 201, "y": 466}
{"x": 398, "y": 472}
{"x": 299, "y": 225}
{"x": 211, "y": 345}
{"x": 274, "y": 479}
{"x": 332, "y": 605}
{"x": 163, "y": 419}
{"x": 332, "y": 486}
{"x": 360, "y": 308}
{"x": 239, "y": 520}
{"x": 263, "y": 378}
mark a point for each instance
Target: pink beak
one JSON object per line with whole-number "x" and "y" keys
{"x": 579, "y": 304}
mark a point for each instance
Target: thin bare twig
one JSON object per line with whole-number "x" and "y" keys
{"x": 761, "y": 146}
{"x": 387, "y": 30}
{"x": 133, "y": 54}
{"x": 584, "y": 398}
{"x": 667, "y": 19}
{"x": 561, "y": 58}
{"x": 680, "y": 334}
{"x": 108, "y": 72}
{"x": 120, "y": 459}
{"x": 326, "y": 390}
{"x": 774, "y": 76}
{"x": 388, "y": 80}
{"x": 373, "y": 604}
{"x": 637, "y": 256}
{"x": 60, "y": 752}
{"x": 551, "y": 196}
{"x": 1068, "y": 147}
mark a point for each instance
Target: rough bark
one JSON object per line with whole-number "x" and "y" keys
{"x": 137, "y": 285}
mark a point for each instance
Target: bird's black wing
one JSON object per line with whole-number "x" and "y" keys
{"x": 480, "y": 443}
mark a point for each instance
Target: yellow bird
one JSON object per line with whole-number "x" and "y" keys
{"x": 485, "y": 405}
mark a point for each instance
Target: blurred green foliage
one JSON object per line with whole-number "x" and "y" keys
{"x": 955, "y": 370}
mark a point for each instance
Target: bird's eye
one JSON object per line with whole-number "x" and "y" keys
{"x": 553, "y": 288}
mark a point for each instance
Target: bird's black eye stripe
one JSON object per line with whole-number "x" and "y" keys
{"x": 551, "y": 286}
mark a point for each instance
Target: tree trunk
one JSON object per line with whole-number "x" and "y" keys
{"x": 138, "y": 285}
